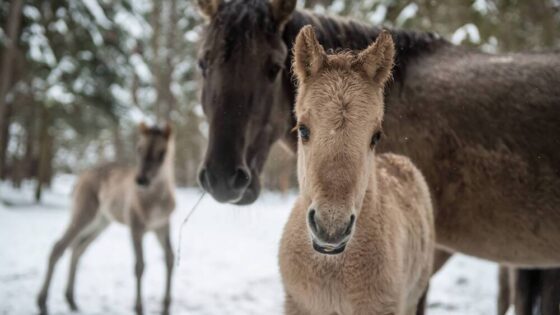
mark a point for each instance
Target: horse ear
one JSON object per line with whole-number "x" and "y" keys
{"x": 309, "y": 55}
{"x": 377, "y": 59}
{"x": 208, "y": 8}
{"x": 143, "y": 128}
{"x": 282, "y": 9}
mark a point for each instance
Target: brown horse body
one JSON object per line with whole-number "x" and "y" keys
{"x": 485, "y": 145}
{"x": 482, "y": 128}
{"x": 142, "y": 198}
{"x": 360, "y": 238}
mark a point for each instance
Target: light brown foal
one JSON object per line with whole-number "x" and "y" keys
{"x": 142, "y": 198}
{"x": 360, "y": 239}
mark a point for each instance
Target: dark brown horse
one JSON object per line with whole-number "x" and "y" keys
{"x": 484, "y": 129}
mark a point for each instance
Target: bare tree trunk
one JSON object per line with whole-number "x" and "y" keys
{"x": 310, "y": 4}
{"x": 4, "y": 138}
{"x": 44, "y": 152}
{"x": 8, "y": 58}
{"x": 170, "y": 101}
{"x": 30, "y": 138}
{"x": 118, "y": 142}
{"x": 155, "y": 65}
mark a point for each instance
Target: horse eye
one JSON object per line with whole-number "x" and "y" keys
{"x": 202, "y": 65}
{"x": 304, "y": 133}
{"x": 273, "y": 71}
{"x": 375, "y": 139}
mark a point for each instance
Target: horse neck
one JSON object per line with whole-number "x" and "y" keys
{"x": 339, "y": 33}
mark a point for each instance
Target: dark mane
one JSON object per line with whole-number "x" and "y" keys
{"x": 239, "y": 21}
{"x": 337, "y": 33}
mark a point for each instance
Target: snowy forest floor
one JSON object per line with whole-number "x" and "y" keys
{"x": 228, "y": 264}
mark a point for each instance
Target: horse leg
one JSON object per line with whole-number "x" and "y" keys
{"x": 165, "y": 242}
{"x": 525, "y": 289}
{"x": 76, "y": 225}
{"x": 504, "y": 293}
{"x": 550, "y": 292}
{"x": 137, "y": 235}
{"x": 79, "y": 246}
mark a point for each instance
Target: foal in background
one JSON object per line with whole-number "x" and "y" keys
{"x": 360, "y": 239}
{"x": 141, "y": 197}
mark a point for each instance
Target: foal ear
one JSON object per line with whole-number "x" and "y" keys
{"x": 143, "y": 128}
{"x": 282, "y": 9}
{"x": 167, "y": 130}
{"x": 208, "y": 8}
{"x": 377, "y": 59}
{"x": 309, "y": 55}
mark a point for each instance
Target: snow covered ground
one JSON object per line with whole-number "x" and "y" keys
{"x": 228, "y": 264}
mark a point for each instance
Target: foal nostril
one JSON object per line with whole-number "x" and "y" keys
{"x": 312, "y": 222}
{"x": 241, "y": 178}
{"x": 142, "y": 180}
{"x": 350, "y": 225}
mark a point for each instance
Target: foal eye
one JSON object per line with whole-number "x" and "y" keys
{"x": 304, "y": 133}
{"x": 375, "y": 139}
{"x": 273, "y": 71}
{"x": 161, "y": 155}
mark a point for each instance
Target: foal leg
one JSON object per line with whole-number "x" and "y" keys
{"x": 137, "y": 235}
{"x": 165, "y": 242}
{"x": 440, "y": 258}
{"x": 79, "y": 246}
{"x": 79, "y": 221}
{"x": 421, "y": 309}
{"x": 291, "y": 308}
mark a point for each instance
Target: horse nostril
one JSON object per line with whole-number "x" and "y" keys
{"x": 350, "y": 225}
{"x": 241, "y": 178}
{"x": 203, "y": 179}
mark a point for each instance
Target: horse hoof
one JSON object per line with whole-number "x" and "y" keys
{"x": 139, "y": 310}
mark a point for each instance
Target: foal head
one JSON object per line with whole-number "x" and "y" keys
{"x": 339, "y": 109}
{"x": 155, "y": 149}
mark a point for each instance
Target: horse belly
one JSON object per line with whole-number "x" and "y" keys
{"x": 495, "y": 216}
